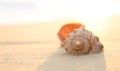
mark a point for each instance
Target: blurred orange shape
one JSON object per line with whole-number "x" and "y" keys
{"x": 65, "y": 30}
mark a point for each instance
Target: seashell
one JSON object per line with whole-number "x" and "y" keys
{"x": 67, "y": 29}
{"x": 82, "y": 41}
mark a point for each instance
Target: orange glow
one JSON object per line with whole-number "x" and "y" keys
{"x": 67, "y": 29}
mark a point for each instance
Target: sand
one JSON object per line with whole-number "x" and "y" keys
{"x": 27, "y": 49}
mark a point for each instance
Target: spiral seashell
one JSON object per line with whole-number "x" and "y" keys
{"x": 82, "y": 41}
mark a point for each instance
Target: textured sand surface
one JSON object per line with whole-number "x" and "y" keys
{"x": 27, "y": 49}
{"x": 49, "y": 57}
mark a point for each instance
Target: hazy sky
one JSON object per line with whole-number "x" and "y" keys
{"x": 100, "y": 16}
{"x": 47, "y": 10}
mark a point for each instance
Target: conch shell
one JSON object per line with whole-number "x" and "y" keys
{"x": 82, "y": 41}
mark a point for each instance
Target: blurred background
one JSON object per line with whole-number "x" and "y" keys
{"x": 28, "y": 34}
{"x": 31, "y": 20}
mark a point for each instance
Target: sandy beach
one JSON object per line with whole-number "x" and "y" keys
{"x": 50, "y": 57}
{"x": 35, "y": 48}
{"x": 28, "y": 34}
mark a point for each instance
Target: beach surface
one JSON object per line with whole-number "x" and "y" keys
{"x": 37, "y": 48}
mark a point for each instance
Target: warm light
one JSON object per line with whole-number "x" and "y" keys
{"x": 49, "y": 10}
